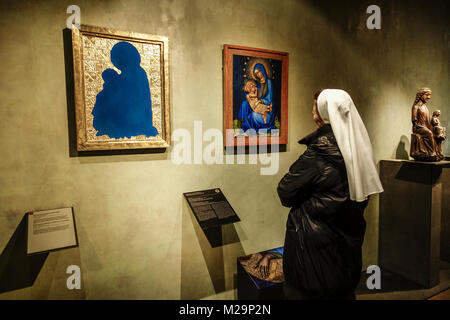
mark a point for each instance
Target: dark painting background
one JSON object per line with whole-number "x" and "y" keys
{"x": 239, "y": 81}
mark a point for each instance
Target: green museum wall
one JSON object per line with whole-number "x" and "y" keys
{"x": 138, "y": 239}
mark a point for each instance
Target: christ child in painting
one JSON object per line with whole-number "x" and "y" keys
{"x": 255, "y": 103}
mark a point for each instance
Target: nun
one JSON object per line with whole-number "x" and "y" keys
{"x": 328, "y": 189}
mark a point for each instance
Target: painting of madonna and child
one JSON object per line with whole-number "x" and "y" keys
{"x": 121, "y": 89}
{"x": 255, "y": 89}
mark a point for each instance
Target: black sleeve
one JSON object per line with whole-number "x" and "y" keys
{"x": 296, "y": 185}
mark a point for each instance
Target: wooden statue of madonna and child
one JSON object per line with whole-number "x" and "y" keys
{"x": 427, "y": 134}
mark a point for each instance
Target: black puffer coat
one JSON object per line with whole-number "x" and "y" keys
{"x": 325, "y": 229}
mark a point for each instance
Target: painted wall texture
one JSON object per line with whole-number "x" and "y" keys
{"x": 138, "y": 239}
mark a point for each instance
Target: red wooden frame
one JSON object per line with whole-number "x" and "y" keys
{"x": 228, "y": 52}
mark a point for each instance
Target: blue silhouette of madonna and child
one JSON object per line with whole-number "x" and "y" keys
{"x": 124, "y": 108}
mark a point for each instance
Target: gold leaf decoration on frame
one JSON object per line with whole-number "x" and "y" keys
{"x": 92, "y": 55}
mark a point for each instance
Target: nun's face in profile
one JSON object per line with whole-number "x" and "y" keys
{"x": 316, "y": 116}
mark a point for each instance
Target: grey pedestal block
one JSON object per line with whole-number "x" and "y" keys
{"x": 414, "y": 226}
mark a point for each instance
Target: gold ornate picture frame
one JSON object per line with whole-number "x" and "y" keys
{"x": 121, "y": 89}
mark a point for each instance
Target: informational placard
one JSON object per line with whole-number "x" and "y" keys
{"x": 211, "y": 208}
{"x": 51, "y": 230}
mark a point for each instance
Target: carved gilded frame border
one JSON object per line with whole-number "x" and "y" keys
{"x": 84, "y": 141}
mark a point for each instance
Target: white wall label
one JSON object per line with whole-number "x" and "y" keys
{"x": 50, "y": 230}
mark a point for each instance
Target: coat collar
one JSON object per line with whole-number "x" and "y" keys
{"x": 316, "y": 134}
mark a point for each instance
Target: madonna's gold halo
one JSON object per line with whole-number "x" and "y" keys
{"x": 253, "y": 62}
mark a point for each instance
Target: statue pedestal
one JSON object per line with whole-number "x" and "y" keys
{"x": 414, "y": 225}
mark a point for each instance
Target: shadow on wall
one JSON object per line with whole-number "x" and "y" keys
{"x": 343, "y": 17}
{"x": 403, "y": 147}
{"x": 17, "y": 269}
{"x": 41, "y": 276}
{"x": 205, "y": 270}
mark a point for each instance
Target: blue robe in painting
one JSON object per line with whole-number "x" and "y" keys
{"x": 251, "y": 119}
{"x": 124, "y": 108}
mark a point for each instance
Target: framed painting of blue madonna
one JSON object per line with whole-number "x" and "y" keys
{"x": 255, "y": 96}
{"x": 121, "y": 89}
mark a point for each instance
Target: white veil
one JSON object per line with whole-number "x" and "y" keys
{"x": 337, "y": 108}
